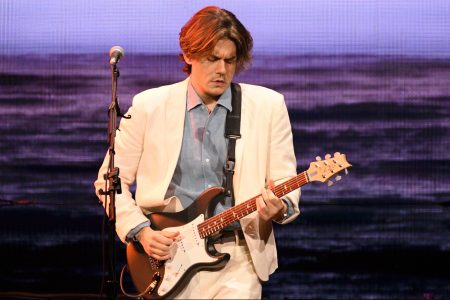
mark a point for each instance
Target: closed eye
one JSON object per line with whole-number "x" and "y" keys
{"x": 229, "y": 61}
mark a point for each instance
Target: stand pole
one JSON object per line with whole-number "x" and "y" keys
{"x": 113, "y": 186}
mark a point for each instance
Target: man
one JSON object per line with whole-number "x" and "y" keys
{"x": 174, "y": 147}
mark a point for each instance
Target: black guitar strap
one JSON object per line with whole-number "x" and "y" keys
{"x": 232, "y": 133}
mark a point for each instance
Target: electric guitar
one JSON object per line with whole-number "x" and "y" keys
{"x": 195, "y": 252}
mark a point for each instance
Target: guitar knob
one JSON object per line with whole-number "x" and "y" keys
{"x": 318, "y": 158}
{"x": 338, "y": 177}
{"x": 336, "y": 154}
{"x": 330, "y": 183}
{"x": 328, "y": 156}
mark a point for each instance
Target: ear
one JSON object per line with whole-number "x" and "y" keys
{"x": 187, "y": 59}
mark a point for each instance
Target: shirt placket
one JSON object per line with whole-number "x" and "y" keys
{"x": 206, "y": 155}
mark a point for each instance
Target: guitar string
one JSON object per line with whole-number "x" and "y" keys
{"x": 250, "y": 205}
{"x": 210, "y": 225}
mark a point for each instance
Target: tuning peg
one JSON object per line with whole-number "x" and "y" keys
{"x": 328, "y": 156}
{"x": 346, "y": 171}
{"x": 318, "y": 158}
{"x": 336, "y": 154}
{"x": 330, "y": 183}
{"x": 338, "y": 177}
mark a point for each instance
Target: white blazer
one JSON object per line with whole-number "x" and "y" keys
{"x": 148, "y": 146}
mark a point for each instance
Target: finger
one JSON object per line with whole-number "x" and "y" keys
{"x": 165, "y": 257}
{"x": 275, "y": 203}
{"x": 160, "y": 247}
{"x": 269, "y": 199}
{"x": 270, "y": 194}
{"x": 260, "y": 203}
{"x": 159, "y": 257}
{"x": 261, "y": 207}
{"x": 264, "y": 194}
{"x": 270, "y": 184}
{"x": 159, "y": 251}
{"x": 170, "y": 234}
{"x": 160, "y": 238}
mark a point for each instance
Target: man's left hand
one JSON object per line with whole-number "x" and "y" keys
{"x": 269, "y": 206}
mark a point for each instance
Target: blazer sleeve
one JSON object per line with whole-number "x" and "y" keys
{"x": 282, "y": 162}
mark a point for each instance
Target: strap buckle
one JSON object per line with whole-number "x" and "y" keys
{"x": 229, "y": 166}
{"x": 233, "y": 136}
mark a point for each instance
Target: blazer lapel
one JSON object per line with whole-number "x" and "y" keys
{"x": 174, "y": 117}
{"x": 237, "y": 179}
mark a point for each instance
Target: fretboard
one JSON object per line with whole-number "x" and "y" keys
{"x": 222, "y": 220}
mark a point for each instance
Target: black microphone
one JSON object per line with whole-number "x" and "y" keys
{"x": 115, "y": 54}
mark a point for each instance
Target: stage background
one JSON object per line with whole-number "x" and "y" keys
{"x": 365, "y": 78}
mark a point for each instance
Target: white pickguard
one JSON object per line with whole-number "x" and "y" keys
{"x": 186, "y": 252}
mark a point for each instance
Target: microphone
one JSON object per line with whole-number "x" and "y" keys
{"x": 115, "y": 54}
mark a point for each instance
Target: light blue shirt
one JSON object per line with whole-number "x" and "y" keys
{"x": 203, "y": 150}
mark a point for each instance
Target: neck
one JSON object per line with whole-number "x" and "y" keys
{"x": 209, "y": 101}
{"x": 210, "y": 105}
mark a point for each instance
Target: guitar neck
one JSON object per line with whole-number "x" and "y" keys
{"x": 220, "y": 221}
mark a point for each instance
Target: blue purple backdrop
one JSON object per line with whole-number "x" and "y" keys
{"x": 367, "y": 78}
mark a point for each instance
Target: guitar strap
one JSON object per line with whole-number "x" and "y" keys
{"x": 232, "y": 133}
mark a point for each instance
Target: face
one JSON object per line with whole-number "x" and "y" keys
{"x": 212, "y": 75}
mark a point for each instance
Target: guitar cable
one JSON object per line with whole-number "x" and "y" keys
{"x": 151, "y": 286}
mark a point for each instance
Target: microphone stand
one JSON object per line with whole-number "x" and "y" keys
{"x": 112, "y": 186}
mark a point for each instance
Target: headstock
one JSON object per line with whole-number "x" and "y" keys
{"x": 323, "y": 170}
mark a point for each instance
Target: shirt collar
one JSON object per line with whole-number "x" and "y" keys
{"x": 193, "y": 99}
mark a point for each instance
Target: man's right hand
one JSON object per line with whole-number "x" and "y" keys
{"x": 157, "y": 243}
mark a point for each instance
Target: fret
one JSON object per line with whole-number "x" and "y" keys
{"x": 243, "y": 209}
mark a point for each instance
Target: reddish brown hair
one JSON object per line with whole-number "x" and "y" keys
{"x": 200, "y": 34}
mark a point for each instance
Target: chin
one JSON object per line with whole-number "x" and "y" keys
{"x": 218, "y": 91}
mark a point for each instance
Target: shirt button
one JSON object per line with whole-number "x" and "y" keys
{"x": 207, "y": 160}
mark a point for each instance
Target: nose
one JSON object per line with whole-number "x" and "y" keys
{"x": 220, "y": 66}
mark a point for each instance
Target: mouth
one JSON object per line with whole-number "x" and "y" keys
{"x": 219, "y": 82}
